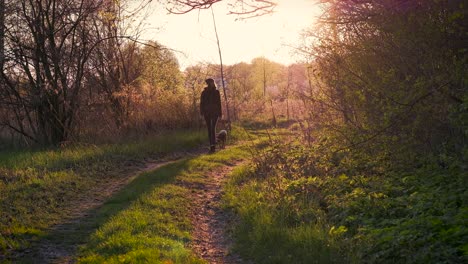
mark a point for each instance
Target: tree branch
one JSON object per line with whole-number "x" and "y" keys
{"x": 249, "y": 8}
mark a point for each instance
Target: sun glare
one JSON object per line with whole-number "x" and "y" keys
{"x": 272, "y": 36}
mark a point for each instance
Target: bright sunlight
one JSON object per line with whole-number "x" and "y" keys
{"x": 274, "y": 36}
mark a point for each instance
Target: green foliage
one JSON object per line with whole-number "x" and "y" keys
{"x": 393, "y": 72}
{"x": 390, "y": 149}
{"x": 281, "y": 219}
{"x": 302, "y": 199}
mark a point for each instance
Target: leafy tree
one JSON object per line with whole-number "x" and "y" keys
{"x": 392, "y": 71}
{"x": 160, "y": 67}
{"x": 195, "y": 77}
{"x": 240, "y": 87}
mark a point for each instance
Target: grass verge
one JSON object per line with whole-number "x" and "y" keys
{"x": 298, "y": 205}
{"x": 37, "y": 187}
{"x": 266, "y": 233}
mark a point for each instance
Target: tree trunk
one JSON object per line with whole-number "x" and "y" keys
{"x": 222, "y": 72}
{"x": 2, "y": 36}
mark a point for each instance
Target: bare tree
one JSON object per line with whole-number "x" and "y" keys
{"x": 245, "y": 8}
{"x": 113, "y": 66}
{"x": 48, "y": 43}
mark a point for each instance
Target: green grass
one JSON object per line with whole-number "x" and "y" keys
{"x": 37, "y": 187}
{"x": 84, "y": 155}
{"x": 265, "y": 232}
{"x": 297, "y": 204}
{"x": 148, "y": 221}
{"x": 277, "y": 224}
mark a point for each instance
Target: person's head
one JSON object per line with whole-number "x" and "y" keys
{"x": 211, "y": 83}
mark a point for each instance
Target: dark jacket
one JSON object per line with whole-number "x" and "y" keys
{"x": 210, "y": 102}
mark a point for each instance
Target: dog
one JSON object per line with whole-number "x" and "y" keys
{"x": 224, "y": 124}
{"x": 221, "y": 138}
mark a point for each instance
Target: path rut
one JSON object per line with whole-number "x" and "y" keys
{"x": 59, "y": 249}
{"x": 211, "y": 240}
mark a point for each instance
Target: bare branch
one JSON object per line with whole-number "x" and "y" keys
{"x": 20, "y": 131}
{"x": 246, "y": 8}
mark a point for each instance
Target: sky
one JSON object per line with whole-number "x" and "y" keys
{"x": 192, "y": 35}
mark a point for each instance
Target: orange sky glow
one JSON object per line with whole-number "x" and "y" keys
{"x": 270, "y": 36}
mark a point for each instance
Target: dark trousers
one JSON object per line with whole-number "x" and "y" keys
{"x": 211, "y": 121}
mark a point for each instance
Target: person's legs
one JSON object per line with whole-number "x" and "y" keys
{"x": 214, "y": 120}
{"x": 208, "y": 126}
{"x": 211, "y": 125}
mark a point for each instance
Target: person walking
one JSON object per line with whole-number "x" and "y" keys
{"x": 210, "y": 109}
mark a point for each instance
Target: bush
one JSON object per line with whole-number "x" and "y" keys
{"x": 370, "y": 213}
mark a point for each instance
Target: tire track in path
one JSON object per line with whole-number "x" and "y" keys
{"x": 211, "y": 223}
{"x": 60, "y": 247}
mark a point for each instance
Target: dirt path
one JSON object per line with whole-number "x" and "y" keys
{"x": 210, "y": 240}
{"x": 63, "y": 243}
